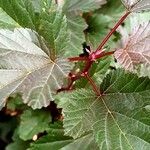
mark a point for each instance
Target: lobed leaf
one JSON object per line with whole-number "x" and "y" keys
{"x": 76, "y": 24}
{"x": 56, "y": 140}
{"x": 117, "y": 118}
{"x": 44, "y": 17}
{"x": 136, "y": 48}
{"x": 32, "y": 123}
{"x": 64, "y": 29}
{"x": 137, "y": 5}
{"x": 27, "y": 69}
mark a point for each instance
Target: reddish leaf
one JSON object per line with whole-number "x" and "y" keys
{"x": 137, "y": 5}
{"x": 136, "y": 49}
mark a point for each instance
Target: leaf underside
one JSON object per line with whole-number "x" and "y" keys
{"x": 136, "y": 48}
{"x": 137, "y": 5}
{"x": 27, "y": 69}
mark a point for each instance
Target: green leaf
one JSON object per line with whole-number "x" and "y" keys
{"x": 14, "y": 102}
{"x": 32, "y": 123}
{"x": 21, "y": 11}
{"x": 102, "y": 21}
{"x": 53, "y": 140}
{"x": 98, "y": 72}
{"x": 61, "y": 143}
{"x": 56, "y": 140}
{"x": 76, "y": 26}
{"x": 18, "y": 145}
{"x": 113, "y": 9}
{"x": 75, "y": 105}
{"x": 117, "y": 118}
{"x": 44, "y": 17}
{"x": 53, "y": 27}
{"x": 28, "y": 69}
{"x": 101, "y": 69}
{"x": 6, "y": 21}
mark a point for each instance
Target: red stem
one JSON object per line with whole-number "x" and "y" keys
{"x": 89, "y": 60}
{"x": 112, "y": 31}
{"x": 96, "y": 90}
{"x": 103, "y": 54}
{"x": 87, "y": 67}
{"x": 78, "y": 59}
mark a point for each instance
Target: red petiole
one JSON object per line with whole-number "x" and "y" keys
{"x": 78, "y": 59}
{"x": 99, "y": 53}
{"x": 96, "y": 90}
{"x": 112, "y": 31}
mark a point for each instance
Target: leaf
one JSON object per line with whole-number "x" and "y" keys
{"x": 18, "y": 145}
{"x": 14, "y": 102}
{"x": 102, "y": 21}
{"x": 76, "y": 24}
{"x": 113, "y": 9}
{"x": 53, "y": 27}
{"x": 6, "y": 21}
{"x": 98, "y": 72}
{"x": 75, "y": 105}
{"x": 56, "y": 140}
{"x": 144, "y": 71}
{"x": 53, "y": 140}
{"x": 32, "y": 123}
{"x": 102, "y": 69}
{"x": 136, "y": 48}
{"x": 117, "y": 118}
{"x": 44, "y": 17}
{"x": 77, "y": 6}
{"x": 21, "y": 11}
{"x": 137, "y": 5}
{"x": 27, "y": 69}
{"x": 60, "y": 143}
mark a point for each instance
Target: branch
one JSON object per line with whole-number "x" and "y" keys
{"x": 99, "y": 53}
{"x": 112, "y": 31}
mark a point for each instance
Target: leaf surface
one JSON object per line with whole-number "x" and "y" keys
{"x": 136, "y": 48}
{"x": 32, "y": 123}
{"x": 76, "y": 24}
{"x": 117, "y": 118}
{"x": 27, "y": 69}
{"x": 6, "y": 21}
{"x": 18, "y": 145}
{"x": 56, "y": 140}
{"x": 77, "y": 6}
{"x": 102, "y": 21}
{"x": 137, "y": 5}
{"x": 44, "y": 17}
